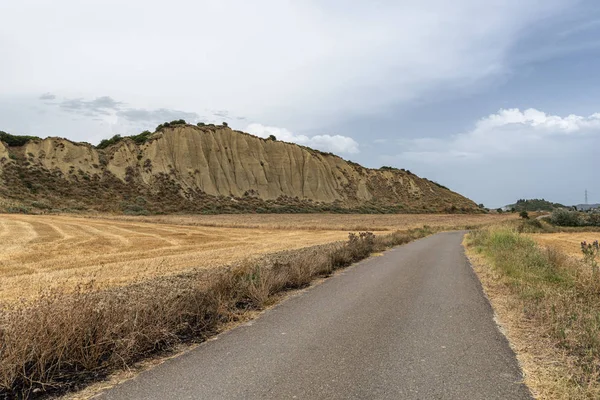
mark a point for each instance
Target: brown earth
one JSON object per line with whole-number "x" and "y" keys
{"x": 210, "y": 169}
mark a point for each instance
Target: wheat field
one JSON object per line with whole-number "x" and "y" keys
{"x": 344, "y": 222}
{"x": 41, "y": 252}
{"x": 567, "y": 242}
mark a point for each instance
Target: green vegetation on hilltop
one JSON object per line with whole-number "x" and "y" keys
{"x": 535, "y": 205}
{"x": 140, "y": 138}
{"x": 16, "y": 140}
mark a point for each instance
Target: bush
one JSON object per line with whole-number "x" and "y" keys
{"x": 531, "y": 226}
{"x": 142, "y": 137}
{"x": 563, "y": 217}
{"x": 15, "y": 140}
{"x": 109, "y": 142}
{"x": 272, "y": 137}
{"x": 524, "y": 214}
{"x": 134, "y": 209}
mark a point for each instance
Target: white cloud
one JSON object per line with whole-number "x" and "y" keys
{"x": 332, "y": 143}
{"x": 509, "y": 133}
{"x": 510, "y": 155}
{"x": 292, "y": 62}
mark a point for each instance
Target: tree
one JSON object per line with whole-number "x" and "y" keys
{"x": 524, "y": 214}
{"x": 225, "y": 124}
{"x": 499, "y": 210}
{"x": 272, "y": 137}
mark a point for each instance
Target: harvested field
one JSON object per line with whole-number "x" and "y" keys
{"x": 40, "y": 252}
{"x": 567, "y": 242}
{"x": 344, "y": 222}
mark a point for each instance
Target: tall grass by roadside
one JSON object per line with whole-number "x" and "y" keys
{"x": 556, "y": 295}
{"x": 61, "y": 341}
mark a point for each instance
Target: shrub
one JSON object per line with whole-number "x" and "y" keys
{"x": 225, "y": 124}
{"x": 272, "y": 137}
{"x": 531, "y": 226}
{"x": 18, "y": 210}
{"x": 444, "y": 187}
{"x": 524, "y": 214}
{"x": 109, "y": 142}
{"x": 15, "y": 140}
{"x": 594, "y": 219}
{"x": 142, "y": 137}
{"x": 563, "y": 217}
{"x": 590, "y": 253}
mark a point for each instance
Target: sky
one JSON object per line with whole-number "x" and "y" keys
{"x": 497, "y": 100}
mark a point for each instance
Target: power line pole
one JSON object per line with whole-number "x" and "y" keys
{"x": 586, "y": 197}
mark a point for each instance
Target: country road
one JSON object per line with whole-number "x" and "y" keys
{"x": 411, "y": 324}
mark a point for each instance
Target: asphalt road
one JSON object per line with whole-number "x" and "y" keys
{"x": 411, "y": 324}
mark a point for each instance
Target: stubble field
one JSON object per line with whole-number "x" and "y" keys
{"x": 39, "y": 252}
{"x": 567, "y": 242}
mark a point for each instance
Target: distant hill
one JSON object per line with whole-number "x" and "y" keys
{"x": 585, "y": 207}
{"x": 207, "y": 169}
{"x": 534, "y": 205}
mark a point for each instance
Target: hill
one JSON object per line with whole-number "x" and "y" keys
{"x": 208, "y": 168}
{"x": 586, "y": 207}
{"x": 534, "y": 205}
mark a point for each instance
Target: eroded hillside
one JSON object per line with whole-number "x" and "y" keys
{"x": 208, "y": 169}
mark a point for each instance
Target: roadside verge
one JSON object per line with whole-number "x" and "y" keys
{"x": 547, "y": 304}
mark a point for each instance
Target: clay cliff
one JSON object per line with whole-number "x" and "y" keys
{"x": 187, "y": 168}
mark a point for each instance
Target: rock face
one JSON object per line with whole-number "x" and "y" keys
{"x": 4, "y": 156}
{"x": 200, "y": 168}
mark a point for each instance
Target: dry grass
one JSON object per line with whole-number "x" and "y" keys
{"x": 61, "y": 340}
{"x": 549, "y": 306}
{"x": 343, "y": 222}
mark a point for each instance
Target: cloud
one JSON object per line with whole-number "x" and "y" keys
{"x": 331, "y": 143}
{"x": 299, "y": 61}
{"x": 104, "y": 105}
{"x": 157, "y": 115}
{"x": 47, "y": 96}
{"x": 510, "y": 133}
{"x": 509, "y": 155}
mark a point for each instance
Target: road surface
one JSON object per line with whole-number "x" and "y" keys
{"x": 411, "y": 324}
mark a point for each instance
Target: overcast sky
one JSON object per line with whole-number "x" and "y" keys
{"x": 498, "y": 100}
